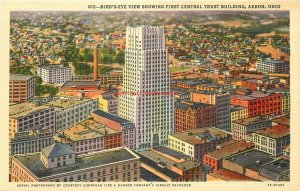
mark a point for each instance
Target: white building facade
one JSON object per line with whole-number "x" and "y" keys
{"x": 146, "y": 100}
{"x": 54, "y": 74}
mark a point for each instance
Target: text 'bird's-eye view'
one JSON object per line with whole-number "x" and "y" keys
{"x": 176, "y": 96}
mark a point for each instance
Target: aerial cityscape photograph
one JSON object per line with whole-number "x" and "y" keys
{"x": 149, "y": 96}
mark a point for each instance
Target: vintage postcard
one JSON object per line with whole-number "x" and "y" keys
{"x": 155, "y": 96}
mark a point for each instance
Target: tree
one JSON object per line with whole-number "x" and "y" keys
{"x": 120, "y": 57}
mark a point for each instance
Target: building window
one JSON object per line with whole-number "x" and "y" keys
{"x": 65, "y": 179}
{"x": 79, "y": 177}
{"x": 70, "y": 156}
{"x": 71, "y": 178}
{"x": 58, "y": 164}
{"x": 84, "y": 176}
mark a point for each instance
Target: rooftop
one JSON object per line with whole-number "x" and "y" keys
{"x": 200, "y": 136}
{"x": 111, "y": 116}
{"x": 57, "y": 149}
{"x": 228, "y": 175}
{"x": 33, "y": 163}
{"x": 229, "y": 148}
{"x": 285, "y": 120}
{"x": 54, "y": 67}
{"x": 149, "y": 176}
{"x": 274, "y": 169}
{"x": 236, "y": 108}
{"x": 15, "y": 77}
{"x": 276, "y": 131}
{"x": 78, "y": 84}
{"x": 160, "y": 169}
{"x": 24, "y": 109}
{"x": 184, "y": 105}
{"x": 252, "y": 159}
{"x": 32, "y": 134}
{"x": 65, "y": 103}
{"x": 87, "y": 129}
{"x": 254, "y": 95}
{"x": 171, "y": 152}
{"x": 250, "y": 120}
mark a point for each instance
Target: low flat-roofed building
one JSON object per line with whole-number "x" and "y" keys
{"x": 69, "y": 111}
{"x": 148, "y": 176}
{"x": 227, "y": 176}
{"x": 185, "y": 170}
{"x": 242, "y": 128}
{"x": 214, "y": 158}
{"x": 197, "y": 142}
{"x": 250, "y": 163}
{"x": 109, "y": 102}
{"x": 272, "y": 140}
{"x": 278, "y": 170}
{"x": 89, "y": 136}
{"x": 118, "y": 164}
{"x": 27, "y": 115}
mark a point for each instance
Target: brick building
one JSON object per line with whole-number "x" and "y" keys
{"x": 214, "y": 158}
{"x": 259, "y": 103}
{"x": 193, "y": 115}
{"x": 89, "y": 136}
{"x": 118, "y": 124}
{"x": 21, "y": 87}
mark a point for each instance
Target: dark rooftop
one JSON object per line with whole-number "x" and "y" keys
{"x": 251, "y": 120}
{"x": 149, "y": 176}
{"x": 274, "y": 169}
{"x": 33, "y": 163}
{"x": 171, "y": 152}
{"x": 110, "y": 116}
{"x": 154, "y": 165}
{"x": 252, "y": 159}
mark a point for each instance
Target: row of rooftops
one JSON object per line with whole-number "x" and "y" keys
{"x": 26, "y": 108}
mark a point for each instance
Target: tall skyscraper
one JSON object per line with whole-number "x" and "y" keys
{"x": 146, "y": 99}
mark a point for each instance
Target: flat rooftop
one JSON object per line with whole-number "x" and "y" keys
{"x": 285, "y": 120}
{"x": 228, "y": 175}
{"x": 54, "y": 67}
{"x": 200, "y": 136}
{"x": 111, "y": 116}
{"x": 252, "y": 159}
{"x": 184, "y": 105}
{"x": 171, "y": 152}
{"x": 229, "y": 148}
{"x": 250, "y": 120}
{"x": 276, "y": 131}
{"x": 32, "y": 134}
{"x": 234, "y": 108}
{"x": 78, "y": 84}
{"x": 65, "y": 103}
{"x": 16, "y": 77}
{"x": 254, "y": 95}
{"x": 274, "y": 169}
{"x": 24, "y": 109}
{"x": 87, "y": 129}
{"x": 33, "y": 163}
{"x": 149, "y": 176}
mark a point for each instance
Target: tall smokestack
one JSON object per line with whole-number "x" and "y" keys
{"x": 95, "y": 64}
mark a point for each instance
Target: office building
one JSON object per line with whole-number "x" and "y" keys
{"x": 273, "y": 66}
{"x": 147, "y": 101}
{"x": 21, "y": 87}
{"x": 54, "y": 74}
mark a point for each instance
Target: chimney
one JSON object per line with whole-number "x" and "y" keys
{"x": 95, "y": 64}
